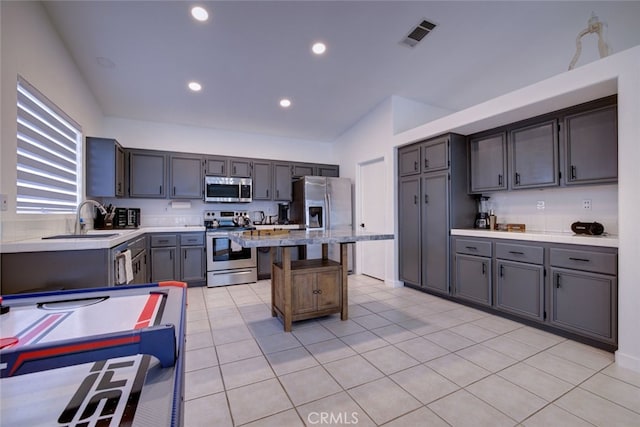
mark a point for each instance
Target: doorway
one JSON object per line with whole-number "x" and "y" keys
{"x": 372, "y": 197}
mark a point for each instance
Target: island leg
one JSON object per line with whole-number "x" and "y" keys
{"x": 273, "y": 253}
{"x": 344, "y": 263}
{"x": 288, "y": 292}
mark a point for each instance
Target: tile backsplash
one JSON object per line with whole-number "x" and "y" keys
{"x": 555, "y": 209}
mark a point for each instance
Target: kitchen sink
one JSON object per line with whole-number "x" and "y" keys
{"x": 81, "y": 236}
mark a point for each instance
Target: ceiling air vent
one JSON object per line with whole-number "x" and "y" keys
{"x": 418, "y": 33}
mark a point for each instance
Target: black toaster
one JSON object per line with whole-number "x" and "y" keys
{"x": 589, "y": 228}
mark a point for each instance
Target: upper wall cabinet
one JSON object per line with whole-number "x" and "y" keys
{"x": 328, "y": 170}
{"x": 186, "y": 176}
{"x": 534, "y": 155}
{"x": 240, "y": 168}
{"x": 147, "y": 172}
{"x": 282, "y": 176}
{"x": 409, "y": 160}
{"x": 215, "y": 166}
{"x": 488, "y": 163}
{"x": 105, "y": 168}
{"x": 262, "y": 181}
{"x": 435, "y": 155}
{"x": 299, "y": 170}
{"x": 591, "y": 140}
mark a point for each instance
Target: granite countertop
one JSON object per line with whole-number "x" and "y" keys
{"x": 605, "y": 240}
{"x": 305, "y": 237}
{"x": 107, "y": 242}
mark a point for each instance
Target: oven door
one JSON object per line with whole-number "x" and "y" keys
{"x": 223, "y": 254}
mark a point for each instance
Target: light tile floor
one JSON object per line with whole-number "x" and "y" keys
{"x": 404, "y": 358}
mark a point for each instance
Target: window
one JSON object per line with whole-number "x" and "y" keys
{"x": 48, "y": 151}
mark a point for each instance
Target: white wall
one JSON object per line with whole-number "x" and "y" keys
{"x": 31, "y": 48}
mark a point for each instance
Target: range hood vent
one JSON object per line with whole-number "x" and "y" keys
{"x": 418, "y": 33}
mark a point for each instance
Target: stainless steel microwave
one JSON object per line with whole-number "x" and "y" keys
{"x": 227, "y": 190}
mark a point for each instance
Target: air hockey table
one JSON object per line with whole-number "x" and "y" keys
{"x": 110, "y": 356}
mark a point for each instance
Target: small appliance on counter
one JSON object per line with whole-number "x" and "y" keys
{"x": 283, "y": 213}
{"x": 482, "y": 215}
{"x": 126, "y": 218}
{"x": 588, "y": 228}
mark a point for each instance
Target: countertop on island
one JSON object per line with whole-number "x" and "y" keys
{"x": 306, "y": 237}
{"x": 605, "y": 240}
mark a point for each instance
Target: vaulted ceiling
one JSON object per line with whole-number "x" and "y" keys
{"x": 138, "y": 56}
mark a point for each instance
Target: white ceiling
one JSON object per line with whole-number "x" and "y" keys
{"x": 251, "y": 53}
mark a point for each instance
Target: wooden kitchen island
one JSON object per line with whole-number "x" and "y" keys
{"x": 309, "y": 288}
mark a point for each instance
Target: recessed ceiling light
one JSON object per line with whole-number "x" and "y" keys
{"x": 318, "y": 48}
{"x": 195, "y": 86}
{"x": 199, "y": 13}
{"x": 285, "y": 103}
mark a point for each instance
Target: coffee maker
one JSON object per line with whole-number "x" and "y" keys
{"x": 482, "y": 214}
{"x": 283, "y": 213}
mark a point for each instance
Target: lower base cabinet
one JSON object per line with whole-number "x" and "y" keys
{"x": 584, "y": 303}
{"x": 178, "y": 256}
{"x": 571, "y": 288}
{"x": 473, "y": 278}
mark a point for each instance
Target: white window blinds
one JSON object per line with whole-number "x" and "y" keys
{"x": 48, "y": 152}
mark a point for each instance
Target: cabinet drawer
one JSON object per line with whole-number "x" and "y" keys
{"x": 137, "y": 245}
{"x": 473, "y": 247}
{"x": 192, "y": 239}
{"x": 598, "y": 262}
{"x": 161, "y": 240}
{"x": 522, "y": 253}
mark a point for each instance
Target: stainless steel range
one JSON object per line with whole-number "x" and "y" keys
{"x": 227, "y": 262}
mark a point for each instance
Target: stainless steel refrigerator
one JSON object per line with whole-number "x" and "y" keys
{"x": 323, "y": 203}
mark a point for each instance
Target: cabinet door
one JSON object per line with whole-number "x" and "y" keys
{"x": 520, "y": 289}
{"x": 262, "y": 181}
{"x": 328, "y": 170}
{"x": 534, "y": 155}
{"x": 435, "y": 155}
{"x": 592, "y": 146}
{"x": 328, "y": 290}
{"x": 409, "y": 160}
{"x": 303, "y": 169}
{"x": 435, "y": 232}
{"x": 282, "y": 182}
{"x": 186, "y": 177}
{"x": 192, "y": 264}
{"x": 583, "y": 303}
{"x": 488, "y": 162}
{"x": 303, "y": 288}
{"x": 409, "y": 230}
{"x": 240, "y": 168}
{"x": 163, "y": 264}
{"x": 473, "y": 278}
{"x": 147, "y": 173}
{"x": 120, "y": 175}
{"x": 216, "y": 166}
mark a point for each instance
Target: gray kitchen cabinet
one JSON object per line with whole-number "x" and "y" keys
{"x": 105, "y": 167}
{"x": 409, "y": 160}
{"x": 328, "y": 170}
{"x": 215, "y": 166}
{"x": 584, "y": 291}
{"x": 472, "y": 270}
{"x": 185, "y": 176}
{"x": 488, "y": 163}
{"x": 298, "y": 170}
{"x": 429, "y": 205}
{"x": 164, "y": 261}
{"x": 591, "y": 145}
{"x": 282, "y": 176}
{"x": 409, "y": 230}
{"x": 240, "y": 168}
{"x": 193, "y": 258}
{"x": 435, "y": 239}
{"x": 435, "y": 155}
{"x": 147, "y": 172}
{"x": 520, "y": 280}
{"x": 139, "y": 259}
{"x": 534, "y": 154}
{"x": 262, "y": 180}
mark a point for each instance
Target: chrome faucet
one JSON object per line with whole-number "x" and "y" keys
{"x": 78, "y": 229}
